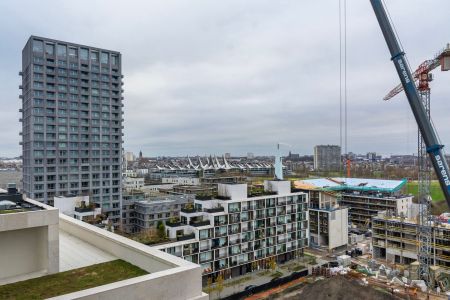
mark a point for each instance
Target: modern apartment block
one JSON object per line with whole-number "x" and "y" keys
{"x": 328, "y": 222}
{"x": 365, "y": 197}
{"x": 150, "y": 211}
{"x": 234, "y": 234}
{"x": 72, "y": 122}
{"x": 395, "y": 240}
{"x": 327, "y": 157}
{"x": 141, "y": 211}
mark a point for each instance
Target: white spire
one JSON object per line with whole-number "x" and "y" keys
{"x": 278, "y": 164}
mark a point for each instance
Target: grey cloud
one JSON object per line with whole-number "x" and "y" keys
{"x": 239, "y": 76}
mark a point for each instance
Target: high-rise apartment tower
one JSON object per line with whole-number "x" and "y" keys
{"x": 327, "y": 157}
{"x": 72, "y": 122}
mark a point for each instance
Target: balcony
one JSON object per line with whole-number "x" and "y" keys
{"x": 189, "y": 210}
{"x": 174, "y": 224}
{"x": 199, "y": 223}
{"x": 185, "y": 237}
{"x": 234, "y": 242}
{"x": 83, "y": 209}
{"x": 215, "y": 210}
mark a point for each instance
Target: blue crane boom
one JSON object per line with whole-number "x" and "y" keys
{"x": 434, "y": 148}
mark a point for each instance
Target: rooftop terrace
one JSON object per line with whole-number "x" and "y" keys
{"x": 105, "y": 261}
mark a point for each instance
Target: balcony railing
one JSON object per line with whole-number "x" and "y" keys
{"x": 174, "y": 224}
{"x": 186, "y": 237}
{"x": 214, "y": 210}
{"x": 199, "y": 223}
{"x": 83, "y": 209}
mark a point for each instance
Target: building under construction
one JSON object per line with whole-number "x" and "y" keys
{"x": 394, "y": 239}
{"x": 364, "y": 197}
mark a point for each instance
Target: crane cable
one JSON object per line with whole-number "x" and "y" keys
{"x": 340, "y": 82}
{"x": 343, "y": 141}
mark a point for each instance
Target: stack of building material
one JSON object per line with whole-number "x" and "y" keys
{"x": 344, "y": 260}
{"x": 420, "y": 284}
{"x": 355, "y": 238}
{"x": 364, "y": 248}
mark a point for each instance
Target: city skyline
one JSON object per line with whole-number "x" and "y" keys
{"x": 221, "y": 79}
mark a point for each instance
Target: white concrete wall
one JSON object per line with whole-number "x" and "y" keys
{"x": 131, "y": 183}
{"x": 338, "y": 228}
{"x": 126, "y": 249}
{"x": 171, "y": 277}
{"x": 66, "y": 205}
{"x": 29, "y": 242}
{"x": 166, "y": 285}
{"x": 23, "y": 251}
{"x": 234, "y": 191}
{"x": 281, "y": 187}
{"x": 403, "y": 205}
{"x": 142, "y": 171}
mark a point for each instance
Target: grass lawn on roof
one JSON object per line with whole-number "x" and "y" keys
{"x": 71, "y": 281}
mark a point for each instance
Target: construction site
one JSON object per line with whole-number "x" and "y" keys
{"x": 396, "y": 249}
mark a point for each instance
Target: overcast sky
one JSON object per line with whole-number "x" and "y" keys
{"x": 208, "y": 77}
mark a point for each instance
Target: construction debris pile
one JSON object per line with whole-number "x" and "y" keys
{"x": 341, "y": 287}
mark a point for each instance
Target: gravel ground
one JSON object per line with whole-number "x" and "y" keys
{"x": 337, "y": 288}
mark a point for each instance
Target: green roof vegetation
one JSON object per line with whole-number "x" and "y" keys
{"x": 71, "y": 281}
{"x": 10, "y": 211}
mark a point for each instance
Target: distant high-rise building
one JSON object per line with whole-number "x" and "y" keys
{"x": 227, "y": 155}
{"x": 72, "y": 122}
{"x": 129, "y": 156}
{"x": 371, "y": 156}
{"x": 250, "y": 155}
{"x": 327, "y": 157}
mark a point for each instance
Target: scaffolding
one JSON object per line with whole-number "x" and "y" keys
{"x": 424, "y": 198}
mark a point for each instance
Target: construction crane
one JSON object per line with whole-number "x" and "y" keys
{"x": 422, "y": 74}
{"x": 423, "y": 77}
{"x": 429, "y": 135}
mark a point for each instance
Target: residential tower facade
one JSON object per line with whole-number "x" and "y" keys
{"x": 72, "y": 122}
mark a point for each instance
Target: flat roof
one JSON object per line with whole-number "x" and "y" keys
{"x": 75, "y": 253}
{"x": 357, "y": 184}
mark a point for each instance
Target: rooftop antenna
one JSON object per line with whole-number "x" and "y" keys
{"x": 279, "y": 162}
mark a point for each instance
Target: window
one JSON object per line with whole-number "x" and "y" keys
{"x": 94, "y": 56}
{"x": 61, "y": 50}
{"x": 104, "y": 58}
{"x": 84, "y": 54}
{"x": 38, "y": 46}
{"x": 115, "y": 59}
{"x": 73, "y": 52}
{"x": 49, "y": 49}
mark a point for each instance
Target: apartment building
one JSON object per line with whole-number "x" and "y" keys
{"x": 72, "y": 122}
{"x": 133, "y": 183}
{"x": 364, "y": 197}
{"x": 395, "y": 240}
{"x": 327, "y": 157}
{"x": 328, "y": 222}
{"x": 150, "y": 211}
{"x": 141, "y": 211}
{"x": 181, "y": 180}
{"x": 234, "y": 234}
